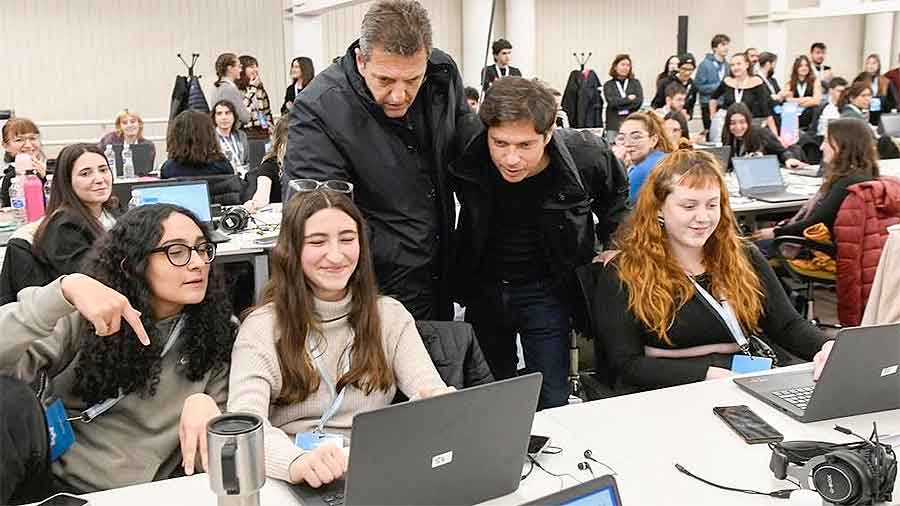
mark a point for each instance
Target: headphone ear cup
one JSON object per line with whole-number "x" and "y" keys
{"x": 235, "y": 219}
{"x": 844, "y": 478}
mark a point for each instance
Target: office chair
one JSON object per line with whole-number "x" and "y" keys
{"x": 788, "y": 250}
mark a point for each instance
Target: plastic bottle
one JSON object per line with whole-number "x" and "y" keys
{"x": 110, "y": 154}
{"x": 34, "y": 197}
{"x": 127, "y": 162}
{"x": 17, "y": 188}
{"x": 47, "y": 187}
{"x": 135, "y": 200}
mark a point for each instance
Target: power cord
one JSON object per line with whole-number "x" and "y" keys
{"x": 562, "y": 483}
{"x": 778, "y": 494}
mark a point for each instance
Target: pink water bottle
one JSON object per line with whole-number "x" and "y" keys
{"x": 34, "y": 197}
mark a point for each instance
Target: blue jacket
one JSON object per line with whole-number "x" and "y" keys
{"x": 707, "y": 78}
{"x": 639, "y": 173}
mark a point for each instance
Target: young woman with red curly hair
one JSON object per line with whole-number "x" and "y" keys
{"x": 658, "y": 326}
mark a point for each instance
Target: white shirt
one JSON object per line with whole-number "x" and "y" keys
{"x": 829, "y": 113}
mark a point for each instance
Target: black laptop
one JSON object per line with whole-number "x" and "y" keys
{"x": 759, "y": 178}
{"x": 464, "y": 447}
{"x": 861, "y": 376}
{"x": 142, "y": 157}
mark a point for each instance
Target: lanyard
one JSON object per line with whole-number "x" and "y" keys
{"x": 622, "y": 88}
{"x": 738, "y": 95}
{"x": 874, "y": 87}
{"x": 88, "y": 415}
{"x": 727, "y": 314}
{"x": 336, "y": 398}
{"x": 769, "y": 85}
{"x": 801, "y": 90}
{"x": 722, "y": 71}
{"x": 232, "y": 145}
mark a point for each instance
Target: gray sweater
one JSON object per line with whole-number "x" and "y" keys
{"x": 256, "y": 376}
{"x": 134, "y": 442}
{"x": 227, "y": 90}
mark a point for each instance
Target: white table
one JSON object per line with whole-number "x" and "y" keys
{"x": 641, "y": 436}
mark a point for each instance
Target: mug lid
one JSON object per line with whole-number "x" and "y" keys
{"x": 233, "y": 424}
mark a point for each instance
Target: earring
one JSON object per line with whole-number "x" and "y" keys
{"x": 661, "y": 221}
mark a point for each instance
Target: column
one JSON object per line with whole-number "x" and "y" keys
{"x": 520, "y": 31}
{"x": 895, "y": 47}
{"x": 307, "y": 32}
{"x": 476, "y": 19}
{"x": 879, "y": 35}
{"x": 771, "y": 36}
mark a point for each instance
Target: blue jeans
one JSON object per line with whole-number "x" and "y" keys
{"x": 532, "y": 310}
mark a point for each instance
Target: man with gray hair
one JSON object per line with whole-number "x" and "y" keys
{"x": 386, "y": 118}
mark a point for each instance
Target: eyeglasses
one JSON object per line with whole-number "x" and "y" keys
{"x": 179, "y": 255}
{"x": 311, "y": 185}
{"x": 34, "y": 139}
{"x": 634, "y": 137}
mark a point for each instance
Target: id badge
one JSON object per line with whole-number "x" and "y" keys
{"x": 741, "y": 364}
{"x": 875, "y": 104}
{"x": 624, "y": 112}
{"x": 311, "y": 440}
{"x": 62, "y": 437}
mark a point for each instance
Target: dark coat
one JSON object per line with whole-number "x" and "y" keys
{"x": 659, "y": 100}
{"x": 589, "y": 179}
{"x": 489, "y": 75}
{"x": 617, "y": 107}
{"x": 455, "y": 352}
{"x": 289, "y": 95}
{"x": 21, "y": 269}
{"x": 337, "y": 131}
{"x": 583, "y": 100}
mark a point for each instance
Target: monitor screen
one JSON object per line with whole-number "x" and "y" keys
{"x": 191, "y": 196}
{"x": 602, "y": 497}
{"x": 757, "y": 172}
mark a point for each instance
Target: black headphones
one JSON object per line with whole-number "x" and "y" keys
{"x": 845, "y": 474}
{"x": 234, "y": 220}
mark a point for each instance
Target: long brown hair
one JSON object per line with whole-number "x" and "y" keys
{"x": 224, "y": 61}
{"x": 795, "y": 73}
{"x": 855, "y": 153}
{"x": 657, "y": 286}
{"x": 654, "y": 126}
{"x": 192, "y": 139}
{"x": 289, "y": 294}
{"x": 279, "y": 142}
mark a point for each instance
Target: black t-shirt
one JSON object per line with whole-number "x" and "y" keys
{"x": 515, "y": 250}
{"x": 269, "y": 168}
{"x": 755, "y": 98}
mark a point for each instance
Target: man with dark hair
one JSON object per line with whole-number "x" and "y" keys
{"x": 527, "y": 192}
{"x": 817, "y": 56}
{"x": 472, "y": 97}
{"x": 502, "y": 50}
{"x": 682, "y": 77}
{"x": 675, "y": 98}
{"x": 386, "y": 119}
{"x": 712, "y": 70}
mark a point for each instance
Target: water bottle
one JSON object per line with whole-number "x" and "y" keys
{"x": 34, "y": 197}
{"x": 135, "y": 200}
{"x": 47, "y": 187}
{"x": 110, "y": 154}
{"x": 17, "y": 200}
{"x": 127, "y": 162}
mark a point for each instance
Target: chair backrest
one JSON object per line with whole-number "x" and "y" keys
{"x": 256, "y": 151}
{"x": 455, "y": 353}
{"x": 21, "y": 269}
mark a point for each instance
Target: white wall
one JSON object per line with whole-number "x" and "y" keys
{"x": 843, "y": 35}
{"x": 88, "y": 59}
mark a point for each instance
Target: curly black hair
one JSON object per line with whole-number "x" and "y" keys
{"x": 119, "y": 363}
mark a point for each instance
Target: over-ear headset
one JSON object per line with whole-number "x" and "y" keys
{"x": 845, "y": 474}
{"x": 234, "y": 220}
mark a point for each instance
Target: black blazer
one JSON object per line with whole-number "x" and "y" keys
{"x": 489, "y": 75}
{"x": 289, "y": 95}
{"x": 617, "y": 107}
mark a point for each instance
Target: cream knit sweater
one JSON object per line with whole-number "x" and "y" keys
{"x": 256, "y": 376}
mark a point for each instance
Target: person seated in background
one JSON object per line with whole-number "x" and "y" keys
{"x": 129, "y": 130}
{"x": 676, "y": 127}
{"x": 302, "y": 72}
{"x": 20, "y": 135}
{"x": 623, "y": 93}
{"x": 193, "y": 149}
{"x": 646, "y": 143}
{"x": 882, "y": 95}
{"x": 855, "y": 101}
{"x": 266, "y": 179}
{"x": 742, "y": 88}
{"x": 748, "y": 139}
{"x": 228, "y": 70}
{"x": 146, "y": 327}
{"x": 321, "y": 330}
{"x": 682, "y": 76}
{"x": 232, "y": 140}
{"x": 661, "y": 304}
{"x": 472, "y": 97}
{"x": 675, "y": 97}
{"x": 829, "y": 110}
{"x": 849, "y": 156}
{"x": 804, "y": 90}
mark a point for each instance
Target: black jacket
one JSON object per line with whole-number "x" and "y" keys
{"x": 455, "y": 352}
{"x": 659, "y": 100}
{"x": 337, "y": 131}
{"x": 289, "y": 95}
{"x": 583, "y": 100}
{"x": 589, "y": 179}
{"x": 21, "y": 269}
{"x": 618, "y": 107}
{"x": 489, "y": 75}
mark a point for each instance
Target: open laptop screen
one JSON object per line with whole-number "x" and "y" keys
{"x": 602, "y": 497}
{"x": 193, "y": 196}
{"x": 757, "y": 172}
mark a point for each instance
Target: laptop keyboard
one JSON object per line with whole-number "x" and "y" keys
{"x": 797, "y": 396}
{"x": 333, "y": 498}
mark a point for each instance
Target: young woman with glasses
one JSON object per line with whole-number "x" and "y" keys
{"x": 140, "y": 341}
{"x": 20, "y": 135}
{"x": 646, "y": 143}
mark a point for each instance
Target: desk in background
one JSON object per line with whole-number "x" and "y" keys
{"x": 243, "y": 246}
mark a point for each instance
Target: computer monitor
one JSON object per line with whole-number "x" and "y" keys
{"x": 191, "y": 195}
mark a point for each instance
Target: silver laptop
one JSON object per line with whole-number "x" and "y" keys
{"x": 722, "y": 154}
{"x": 461, "y": 448}
{"x": 861, "y": 376}
{"x": 191, "y": 195}
{"x": 759, "y": 178}
{"x": 889, "y": 124}
{"x": 601, "y": 491}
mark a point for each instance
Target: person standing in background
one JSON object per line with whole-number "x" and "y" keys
{"x": 302, "y": 72}
{"x": 710, "y": 74}
{"x": 817, "y": 56}
{"x": 623, "y": 93}
{"x": 228, "y": 70}
{"x": 686, "y": 66}
{"x": 472, "y": 97}
{"x": 502, "y": 50}
{"x": 256, "y": 100}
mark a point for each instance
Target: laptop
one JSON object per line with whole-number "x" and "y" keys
{"x": 722, "y": 154}
{"x": 889, "y": 124}
{"x": 861, "y": 376}
{"x": 759, "y": 178}
{"x": 191, "y": 195}
{"x": 141, "y": 156}
{"x": 464, "y": 447}
{"x": 601, "y": 491}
